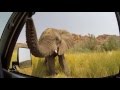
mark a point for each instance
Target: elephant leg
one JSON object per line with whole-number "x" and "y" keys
{"x": 63, "y": 64}
{"x": 47, "y": 58}
{"x": 51, "y": 65}
{"x": 45, "y": 62}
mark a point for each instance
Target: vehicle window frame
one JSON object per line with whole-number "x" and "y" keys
{"x": 10, "y": 36}
{"x": 118, "y": 19}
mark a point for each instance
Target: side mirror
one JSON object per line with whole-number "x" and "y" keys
{"x": 24, "y": 58}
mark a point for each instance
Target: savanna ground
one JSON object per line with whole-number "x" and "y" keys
{"x": 81, "y": 65}
{"x": 87, "y": 59}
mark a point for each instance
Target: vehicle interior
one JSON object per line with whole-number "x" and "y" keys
{"x": 96, "y": 53}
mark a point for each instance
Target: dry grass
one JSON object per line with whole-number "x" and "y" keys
{"x": 81, "y": 65}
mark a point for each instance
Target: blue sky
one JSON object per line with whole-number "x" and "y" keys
{"x": 96, "y": 23}
{"x": 4, "y": 16}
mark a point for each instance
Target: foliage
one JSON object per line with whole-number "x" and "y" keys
{"x": 91, "y": 44}
{"x": 111, "y": 44}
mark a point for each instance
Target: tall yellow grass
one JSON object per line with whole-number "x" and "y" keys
{"x": 81, "y": 65}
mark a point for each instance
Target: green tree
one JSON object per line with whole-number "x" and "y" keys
{"x": 112, "y": 44}
{"x": 90, "y": 43}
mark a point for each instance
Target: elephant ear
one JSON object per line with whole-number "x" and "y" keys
{"x": 67, "y": 42}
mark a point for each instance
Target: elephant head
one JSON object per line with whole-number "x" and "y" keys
{"x": 51, "y": 40}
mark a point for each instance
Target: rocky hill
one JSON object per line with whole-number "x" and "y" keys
{"x": 21, "y": 45}
{"x": 79, "y": 38}
{"x": 100, "y": 39}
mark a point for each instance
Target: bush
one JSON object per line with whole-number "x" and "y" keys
{"x": 90, "y": 44}
{"x": 86, "y": 45}
{"x": 111, "y": 44}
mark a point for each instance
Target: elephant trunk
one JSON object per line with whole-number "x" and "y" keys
{"x": 31, "y": 38}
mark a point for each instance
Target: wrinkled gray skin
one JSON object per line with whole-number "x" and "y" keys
{"x": 52, "y": 43}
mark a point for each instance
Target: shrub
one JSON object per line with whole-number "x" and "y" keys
{"x": 111, "y": 44}
{"x": 90, "y": 44}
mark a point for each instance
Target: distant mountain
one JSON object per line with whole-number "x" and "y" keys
{"x": 100, "y": 39}
{"x": 21, "y": 45}
{"x": 103, "y": 38}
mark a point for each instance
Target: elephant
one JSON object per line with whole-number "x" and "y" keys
{"x": 53, "y": 42}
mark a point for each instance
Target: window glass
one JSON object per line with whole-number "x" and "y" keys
{"x": 96, "y": 52}
{"x": 4, "y": 16}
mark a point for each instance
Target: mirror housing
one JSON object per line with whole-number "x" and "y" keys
{"x": 24, "y": 58}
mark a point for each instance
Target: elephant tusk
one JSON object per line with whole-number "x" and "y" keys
{"x": 55, "y": 51}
